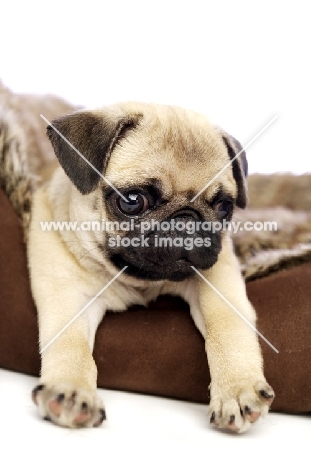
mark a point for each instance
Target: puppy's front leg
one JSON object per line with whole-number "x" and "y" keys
{"x": 67, "y": 390}
{"x": 239, "y": 392}
{"x": 61, "y": 289}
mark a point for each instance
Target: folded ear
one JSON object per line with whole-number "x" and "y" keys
{"x": 87, "y": 135}
{"x": 239, "y": 167}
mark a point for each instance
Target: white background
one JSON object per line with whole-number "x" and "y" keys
{"x": 143, "y": 432}
{"x": 239, "y": 62}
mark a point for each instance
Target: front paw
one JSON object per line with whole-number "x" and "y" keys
{"x": 68, "y": 406}
{"x": 238, "y": 408}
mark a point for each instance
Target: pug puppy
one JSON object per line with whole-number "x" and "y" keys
{"x": 145, "y": 165}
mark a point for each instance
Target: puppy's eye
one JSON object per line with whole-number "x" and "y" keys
{"x": 223, "y": 208}
{"x": 136, "y": 204}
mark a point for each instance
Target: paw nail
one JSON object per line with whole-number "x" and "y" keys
{"x": 101, "y": 419}
{"x": 232, "y": 419}
{"x": 35, "y": 391}
{"x": 60, "y": 397}
{"x": 213, "y": 417}
{"x": 84, "y": 406}
{"x": 38, "y": 388}
{"x": 266, "y": 395}
{"x": 247, "y": 410}
{"x": 47, "y": 418}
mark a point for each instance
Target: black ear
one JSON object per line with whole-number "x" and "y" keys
{"x": 94, "y": 136}
{"x": 239, "y": 168}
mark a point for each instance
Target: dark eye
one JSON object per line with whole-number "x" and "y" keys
{"x": 135, "y": 204}
{"x": 223, "y": 208}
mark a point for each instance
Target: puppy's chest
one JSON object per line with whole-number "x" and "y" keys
{"x": 142, "y": 295}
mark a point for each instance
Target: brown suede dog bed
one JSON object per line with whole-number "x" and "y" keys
{"x": 158, "y": 350}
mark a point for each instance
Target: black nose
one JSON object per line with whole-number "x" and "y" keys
{"x": 186, "y": 213}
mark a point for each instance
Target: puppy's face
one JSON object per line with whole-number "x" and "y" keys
{"x": 158, "y": 158}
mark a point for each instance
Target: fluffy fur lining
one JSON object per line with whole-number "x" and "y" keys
{"x": 264, "y": 252}
{"x": 24, "y": 148}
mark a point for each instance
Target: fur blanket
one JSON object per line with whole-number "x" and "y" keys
{"x": 23, "y": 144}
{"x": 263, "y": 252}
{"x": 283, "y": 198}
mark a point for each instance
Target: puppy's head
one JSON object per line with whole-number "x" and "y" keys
{"x": 144, "y": 165}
